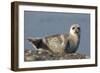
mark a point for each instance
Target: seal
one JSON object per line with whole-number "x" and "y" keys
{"x": 59, "y": 43}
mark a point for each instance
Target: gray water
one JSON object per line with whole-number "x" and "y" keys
{"x": 39, "y": 24}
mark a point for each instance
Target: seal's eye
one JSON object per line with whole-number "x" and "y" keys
{"x": 73, "y": 28}
{"x": 78, "y": 28}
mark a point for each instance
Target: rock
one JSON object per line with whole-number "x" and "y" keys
{"x": 43, "y": 55}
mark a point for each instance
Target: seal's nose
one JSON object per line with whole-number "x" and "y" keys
{"x": 76, "y": 30}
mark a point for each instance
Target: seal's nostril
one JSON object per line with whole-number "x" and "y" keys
{"x": 76, "y": 31}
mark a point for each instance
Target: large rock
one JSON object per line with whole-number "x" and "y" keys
{"x": 42, "y": 55}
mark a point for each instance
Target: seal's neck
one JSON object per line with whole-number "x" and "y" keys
{"x": 74, "y": 36}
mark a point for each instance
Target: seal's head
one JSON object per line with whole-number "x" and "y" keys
{"x": 75, "y": 29}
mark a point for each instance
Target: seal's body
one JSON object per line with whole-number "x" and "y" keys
{"x": 60, "y": 43}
